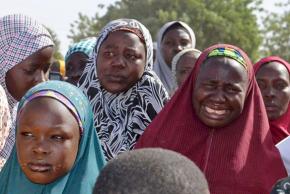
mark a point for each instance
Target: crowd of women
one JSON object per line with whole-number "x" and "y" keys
{"x": 196, "y": 121}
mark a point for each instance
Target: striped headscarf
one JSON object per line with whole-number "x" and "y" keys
{"x": 20, "y": 37}
{"x": 85, "y": 46}
{"x": 160, "y": 66}
{"x": 121, "y": 118}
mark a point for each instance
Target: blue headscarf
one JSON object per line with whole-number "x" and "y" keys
{"x": 90, "y": 159}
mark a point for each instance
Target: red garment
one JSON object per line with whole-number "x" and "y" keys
{"x": 280, "y": 128}
{"x": 237, "y": 159}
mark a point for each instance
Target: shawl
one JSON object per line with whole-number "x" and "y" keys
{"x": 229, "y": 156}
{"x": 280, "y": 128}
{"x": 81, "y": 178}
{"x": 160, "y": 67}
{"x": 20, "y": 37}
{"x": 121, "y": 118}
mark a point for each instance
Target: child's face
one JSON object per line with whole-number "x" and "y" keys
{"x": 184, "y": 67}
{"x": 47, "y": 140}
{"x": 220, "y": 91}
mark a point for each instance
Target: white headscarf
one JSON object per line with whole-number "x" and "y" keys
{"x": 121, "y": 118}
{"x": 160, "y": 67}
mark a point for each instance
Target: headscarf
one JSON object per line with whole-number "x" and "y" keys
{"x": 5, "y": 122}
{"x": 235, "y": 158}
{"x": 282, "y": 186}
{"x": 177, "y": 57}
{"x": 280, "y": 127}
{"x": 160, "y": 67}
{"x": 85, "y": 46}
{"x": 20, "y": 37}
{"x": 90, "y": 160}
{"x": 121, "y": 118}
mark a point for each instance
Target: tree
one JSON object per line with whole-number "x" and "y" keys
{"x": 213, "y": 21}
{"x": 277, "y": 36}
{"x": 57, "y": 54}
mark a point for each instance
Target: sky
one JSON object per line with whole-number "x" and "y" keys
{"x": 59, "y": 14}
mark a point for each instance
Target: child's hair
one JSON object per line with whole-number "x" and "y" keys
{"x": 151, "y": 171}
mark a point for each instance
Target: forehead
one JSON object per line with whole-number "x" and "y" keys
{"x": 175, "y": 32}
{"x": 222, "y": 69}
{"x": 273, "y": 69}
{"x": 186, "y": 59}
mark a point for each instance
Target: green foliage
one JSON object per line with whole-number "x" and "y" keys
{"x": 277, "y": 33}
{"x": 57, "y": 54}
{"x": 213, "y": 21}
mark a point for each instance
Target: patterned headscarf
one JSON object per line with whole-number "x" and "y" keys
{"x": 238, "y": 158}
{"x": 280, "y": 127}
{"x": 121, "y": 118}
{"x": 89, "y": 161}
{"x": 5, "y": 122}
{"x": 20, "y": 37}
{"x": 282, "y": 186}
{"x": 85, "y": 46}
{"x": 160, "y": 67}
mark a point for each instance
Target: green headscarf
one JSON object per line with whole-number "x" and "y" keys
{"x": 90, "y": 159}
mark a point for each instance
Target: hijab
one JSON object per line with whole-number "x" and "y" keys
{"x": 280, "y": 127}
{"x": 90, "y": 160}
{"x": 235, "y": 158}
{"x": 20, "y": 37}
{"x": 5, "y": 122}
{"x": 121, "y": 118}
{"x": 160, "y": 66}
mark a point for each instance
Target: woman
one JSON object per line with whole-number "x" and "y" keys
{"x": 218, "y": 120}
{"x": 26, "y": 51}
{"x": 57, "y": 149}
{"x": 5, "y": 122}
{"x": 77, "y": 57}
{"x": 124, "y": 92}
{"x": 172, "y": 38}
{"x": 183, "y": 63}
{"x": 272, "y": 75}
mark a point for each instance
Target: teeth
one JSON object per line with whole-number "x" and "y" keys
{"x": 218, "y": 112}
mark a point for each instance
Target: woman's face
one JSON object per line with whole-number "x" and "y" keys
{"x": 47, "y": 140}
{"x": 184, "y": 67}
{"x": 75, "y": 66}
{"x": 273, "y": 81}
{"x": 173, "y": 41}
{"x": 29, "y": 72}
{"x": 220, "y": 91}
{"x": 121, "y": 61}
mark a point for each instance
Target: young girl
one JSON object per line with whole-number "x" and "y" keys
{"x": 218, "y": 120}
{"x": 124, "y": 92}
{"x": 272, "y": 75}
{"x": 57, "y": 149}
{"x": 26, "y": 51}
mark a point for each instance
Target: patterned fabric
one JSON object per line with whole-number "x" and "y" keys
{"x": 121, "y": 118}
{"x": 5, "y": 123}
{"x": 85, "y": 46}
{"x": 20, "y": 36}
{"x": 280, "y": 127}
{"x": 160, "y": 67}
{"x": 228, "y": 52}
{"x": 90, "y": 159}
{"x": 239, "y": 158}
{"x": 177, "y": 57}
{"x": 282, "y": 186}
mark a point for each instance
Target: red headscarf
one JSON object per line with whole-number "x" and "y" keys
{"x": 280, "y": 128}
{"x": 237, "y": 159}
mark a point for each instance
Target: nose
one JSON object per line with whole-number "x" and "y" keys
{"x": 219, "y": 96}
{"x": 269, "y": 92}
{"x": 39, "y": 77}
{"x": 178, "y": 48}
{"x": 40, "y": 147}
{"x": 118, "y": 62}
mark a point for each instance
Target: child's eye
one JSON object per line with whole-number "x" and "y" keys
{"x": 57, "y": 137}
{"x": 26, "y": 134}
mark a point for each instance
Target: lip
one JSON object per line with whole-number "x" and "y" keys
{"x": 115, "y": 78}
{"x": 39, "y": 166}
{"x": 271, "y": 108}
{"x": 215, "y": 113}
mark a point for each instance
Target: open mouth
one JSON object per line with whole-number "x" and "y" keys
{"x": 215, "y": 113}
{"x": 39, "y": 167}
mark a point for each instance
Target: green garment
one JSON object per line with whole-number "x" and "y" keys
{"x": 90, "y": 159}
